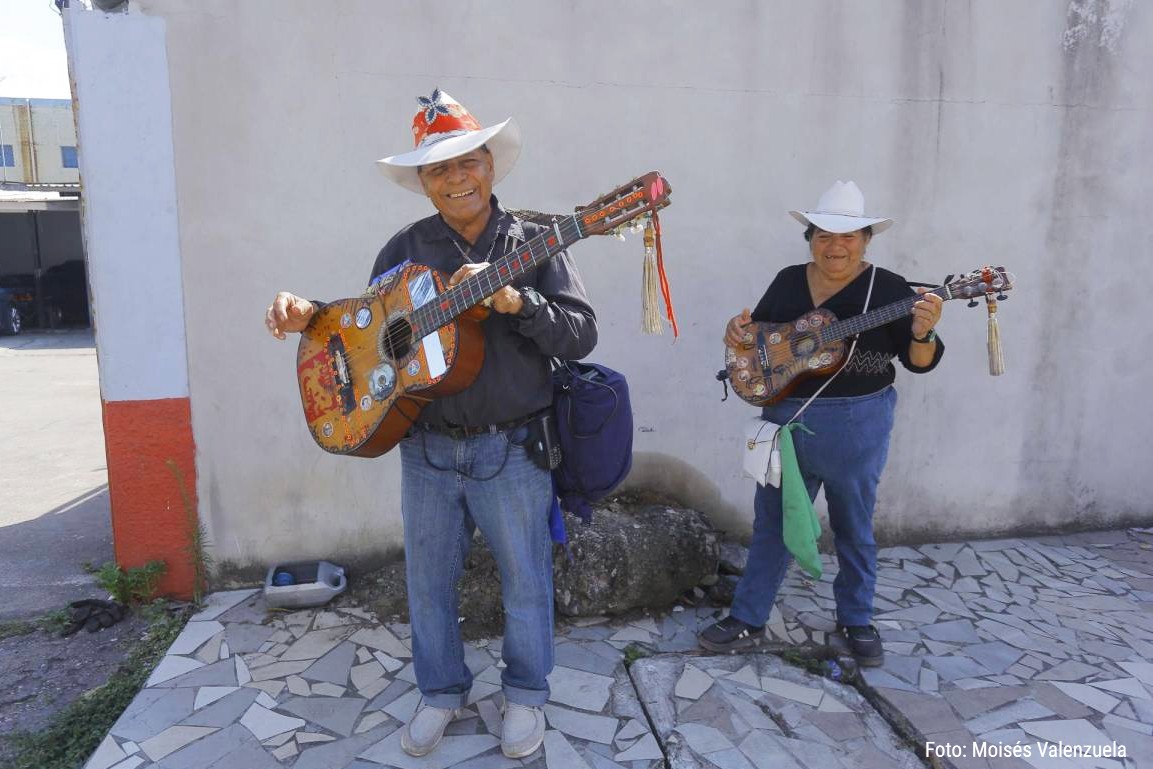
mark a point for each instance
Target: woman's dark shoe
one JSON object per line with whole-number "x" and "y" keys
{"x": 730, "y": 635}
{"x": 864, "y": 644}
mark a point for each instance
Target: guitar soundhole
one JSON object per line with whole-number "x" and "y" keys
{"x": 396, "y": 341}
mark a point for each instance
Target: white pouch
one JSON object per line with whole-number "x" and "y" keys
{"x": 762, "y": 454}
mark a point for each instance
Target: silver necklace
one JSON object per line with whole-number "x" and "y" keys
{"x": 464, "y": 252}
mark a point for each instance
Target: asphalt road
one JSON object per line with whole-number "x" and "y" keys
{"x": 54, "y": 513}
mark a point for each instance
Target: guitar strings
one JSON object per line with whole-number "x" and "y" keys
{"x": 901, "y": 308}
{"x": 393, "y": 336}
{"x": 567, "y": 230}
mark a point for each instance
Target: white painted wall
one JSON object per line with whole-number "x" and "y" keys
{"x": 130, "y": 218}
{"x": 1011, "y": 133}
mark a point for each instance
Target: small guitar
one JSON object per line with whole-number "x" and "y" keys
{"x": 775, "y": 357}
{"x": 368, "y": 365}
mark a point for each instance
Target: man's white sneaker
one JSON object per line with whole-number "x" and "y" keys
{"x": 523, "y": 730}
{"x": 423, "y": 731}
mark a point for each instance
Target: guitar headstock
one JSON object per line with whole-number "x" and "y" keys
{"x": 979, "y": 282}
{"x": 644, "y": 194}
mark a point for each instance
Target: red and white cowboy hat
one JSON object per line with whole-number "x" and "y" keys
{"x": 842, "y": 209}
{"x": 443, "y": 129}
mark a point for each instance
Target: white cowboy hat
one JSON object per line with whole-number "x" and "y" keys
{"x": 842, "y": 209}
{"x": 443, "y": 129}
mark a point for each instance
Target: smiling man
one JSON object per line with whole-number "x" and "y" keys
{"x": 465, "y": 463}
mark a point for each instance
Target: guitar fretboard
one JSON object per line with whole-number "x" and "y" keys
{"x": 874, "y": 318}
{"x": 470, "y": 291}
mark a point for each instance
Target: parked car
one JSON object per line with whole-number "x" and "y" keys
{"x": 11, "y": 321}
{"x": 65, "y": 289}
{"x": 63, "y": 296}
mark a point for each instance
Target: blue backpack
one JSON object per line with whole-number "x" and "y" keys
{"x": 594, "y": 422}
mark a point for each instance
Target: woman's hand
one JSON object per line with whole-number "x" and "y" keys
{"x": 735, "y": 332}
{"x": 926, "y": 313}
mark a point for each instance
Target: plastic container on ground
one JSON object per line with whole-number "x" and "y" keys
{"x": 309, "y": 583}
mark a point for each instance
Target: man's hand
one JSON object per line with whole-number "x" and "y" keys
{"x": 507, "y": 301}
{"x": 735, "y": 331}
{"x": 288, "y": 313}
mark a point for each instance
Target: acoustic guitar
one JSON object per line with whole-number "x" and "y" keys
{"x": 368, "y": 365}
{"x": 774, "y": 358}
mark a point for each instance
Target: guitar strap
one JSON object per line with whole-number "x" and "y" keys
{"x": 852, "y": 349}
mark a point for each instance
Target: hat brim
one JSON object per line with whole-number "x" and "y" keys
{"x": 503, "y": 140}
{"x": 840, "y": 223}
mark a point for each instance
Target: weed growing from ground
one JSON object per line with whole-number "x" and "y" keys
{"x": 634, "y": 652}
{"x": 52, "y": 622}
{"x": 131, "y": 586}
{"x": 76, "y": 732}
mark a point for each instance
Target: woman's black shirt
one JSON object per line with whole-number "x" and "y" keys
{"x": 871, "y": 368}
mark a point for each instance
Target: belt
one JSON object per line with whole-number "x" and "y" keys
{"x": 459, "y": 432}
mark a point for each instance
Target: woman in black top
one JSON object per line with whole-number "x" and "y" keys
{"x": 850, "y": 419}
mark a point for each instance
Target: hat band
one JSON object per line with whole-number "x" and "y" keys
{"x": 431, "y": 139}
{"x": 842, "y": 212}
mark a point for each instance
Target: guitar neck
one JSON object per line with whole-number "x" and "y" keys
{"x": 472, "y": 290}
{"x": 878, "y": 317}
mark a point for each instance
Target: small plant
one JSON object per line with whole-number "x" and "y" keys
{"x": 155, "y": 612}
{"x": 197, "y": 547}
{"x": 634, "y": 652}
{"x": 803, "y": 658}
{"x": 16, "y": 627}
{"x": 52, "y": 622}
{"x": 131, "y": 586}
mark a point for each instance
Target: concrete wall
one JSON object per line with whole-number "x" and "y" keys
{"x": 131, "y": 219}
{"x": 37, "y": 129}
{"x": 1004, "y": 133}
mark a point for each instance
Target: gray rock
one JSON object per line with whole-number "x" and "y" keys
{"x": 643, "y": 558}
{"x": 631, "y": 556}
{"x": 733, "y": 558}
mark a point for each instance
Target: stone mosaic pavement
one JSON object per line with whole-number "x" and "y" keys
{"x": 990, "y": 644}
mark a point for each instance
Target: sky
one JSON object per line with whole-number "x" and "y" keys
{"x": 33, "y": 63}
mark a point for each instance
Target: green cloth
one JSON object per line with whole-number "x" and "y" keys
{"x": 801, "y": 527}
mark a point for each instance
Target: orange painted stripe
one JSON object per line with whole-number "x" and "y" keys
{"x": 152, "y": 487}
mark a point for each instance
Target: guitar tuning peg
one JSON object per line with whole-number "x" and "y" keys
{"x": 1001, "y": 297}
{"x": 972, "y": 303}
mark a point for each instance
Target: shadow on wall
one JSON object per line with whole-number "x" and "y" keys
{"x": 897, "y": 522}
{"x": 677, "y": 479}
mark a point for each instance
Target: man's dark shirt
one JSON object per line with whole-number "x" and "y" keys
{"x": 515, "y": 379}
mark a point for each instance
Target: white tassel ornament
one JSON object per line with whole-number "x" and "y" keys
{"x": 651, "y": 316}
{"x": 996, "y": 357}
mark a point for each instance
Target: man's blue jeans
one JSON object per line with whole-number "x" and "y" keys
{"x": 846, "y": 453}
{"x": 449, "y": 488}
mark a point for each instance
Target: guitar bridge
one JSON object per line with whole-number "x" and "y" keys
{"x": 763, "y": 352}
{"x": 339, "y": 360}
